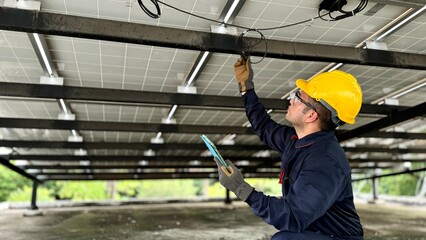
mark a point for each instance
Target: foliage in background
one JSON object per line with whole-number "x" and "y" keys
{"x": 24, "y": 195}
{"x": 10, "y": 182}
{"x": 168, "y": 188}
{"x": 128, "y": 189}
{"x": 83, "y": 190}
{"x": 16, "y": 188}
{"x": 404, "y": 184}
{"x": 399, "y": 185}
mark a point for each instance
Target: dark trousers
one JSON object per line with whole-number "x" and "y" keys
{"x": 305, "y": 235}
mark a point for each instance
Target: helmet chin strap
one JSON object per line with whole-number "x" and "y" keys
{"x": 334, "y": 118}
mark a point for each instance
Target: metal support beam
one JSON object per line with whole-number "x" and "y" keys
{"x": 145, "y": 146}
{"x": 103, "y": 95}
{"x": 386, "y": 160}
{"x": 403, "y": 3}
{"x": 127, "y": 158}
{"x": 43, "y": 54}
{"x": 126, "y": 32}
{"x": 234, "y": 13}
{"x": 392, "y": 119}
{"x": 175, "y": 128}
{"x": 127, "y": 176}
{"x": 119, "y": 126}
{"x": 360, "y": 149}
{"x": 180, "y": 159}
{"x": 123, "y": 145}
{"x": 390, "y": 174}
{"x": 402, "y": 135}
{"x": 182, "y": 146}
{"x": 152, "y": 168}
{"x": 159, "y": 167}
{"x": 4, "y": 160}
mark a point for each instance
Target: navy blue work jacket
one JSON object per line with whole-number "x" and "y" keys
{"x": 316, "y": 186}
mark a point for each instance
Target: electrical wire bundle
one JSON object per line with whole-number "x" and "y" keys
{"x": 330, "y": 5}
{"x": 245, "y": 47}
{"x": 337, "y": 5}
{"x": 148, "y": 12}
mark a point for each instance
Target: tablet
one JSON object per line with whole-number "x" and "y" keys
{"x": 212, "y": 148}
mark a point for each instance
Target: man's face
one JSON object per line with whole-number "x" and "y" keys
{"x": 297, "y": 109}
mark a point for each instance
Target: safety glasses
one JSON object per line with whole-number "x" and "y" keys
{"x": 297, "y": 98}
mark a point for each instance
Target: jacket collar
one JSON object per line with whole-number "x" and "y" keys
{"x": 314, "y": 137}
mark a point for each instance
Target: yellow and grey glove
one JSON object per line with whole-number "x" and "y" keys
{"x": 233, "y": 180}
{"x": 244, "y": 74}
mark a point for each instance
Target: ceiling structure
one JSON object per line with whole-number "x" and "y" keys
{"x": 98, "y": 90}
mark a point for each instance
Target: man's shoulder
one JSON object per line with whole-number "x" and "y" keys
{"x": 329, "y": 154}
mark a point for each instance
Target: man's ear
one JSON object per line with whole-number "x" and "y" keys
{"x": 311, "y": 116}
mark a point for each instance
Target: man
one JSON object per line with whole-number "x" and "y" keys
{"x": 317, "y": 201}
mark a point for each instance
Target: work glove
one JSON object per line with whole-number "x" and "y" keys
{"x": 244, "y": 74}
{"x": 233, "y": 180}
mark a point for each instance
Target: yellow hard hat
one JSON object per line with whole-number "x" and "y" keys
{"x": 336, "y": 90}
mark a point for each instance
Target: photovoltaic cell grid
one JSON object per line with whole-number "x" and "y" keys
{"x": 104, "y": 64}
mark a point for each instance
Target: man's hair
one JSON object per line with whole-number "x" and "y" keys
{"x": 324, "y": 116}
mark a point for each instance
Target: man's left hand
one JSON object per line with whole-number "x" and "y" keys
{"x": 233, "y": 180}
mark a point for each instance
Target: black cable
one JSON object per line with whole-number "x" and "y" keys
{"x": 221, "y": 22}
{"x": 246, "y": 47}
{"x": 148, "y": 12}
{"x": 361, "y": 6}
{"x": 331, "y": 8}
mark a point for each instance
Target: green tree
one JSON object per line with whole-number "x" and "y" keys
{"x": 24, "y": 195}
{"x": 83, "y": 190}
{"x": 11, "y": 181}
{"x": 403, "y": 184}
{"x": 128, "y": 189}
{"x": 168, "y": 188}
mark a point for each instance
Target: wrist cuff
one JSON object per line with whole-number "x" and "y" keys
{"x": 243, "y": 191}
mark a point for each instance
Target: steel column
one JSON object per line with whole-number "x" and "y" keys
{"x": 227, "y": 197}
{"x": 375, "y": 188}
{"x": 34, "y": 196}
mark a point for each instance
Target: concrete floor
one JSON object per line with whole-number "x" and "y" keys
{"x": 206, "y": 221}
